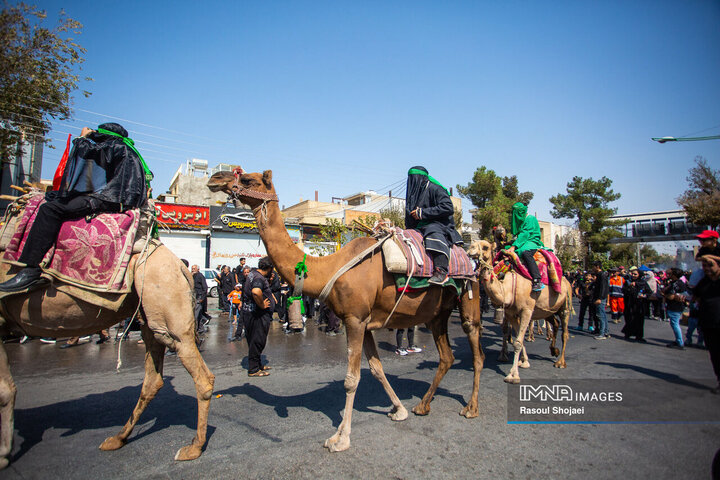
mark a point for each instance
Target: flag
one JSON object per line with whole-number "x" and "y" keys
{"x": 61, "y": 168}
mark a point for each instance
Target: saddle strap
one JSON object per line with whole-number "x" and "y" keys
{"x": 354, "y": 261}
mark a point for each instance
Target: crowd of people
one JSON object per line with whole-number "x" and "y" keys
{"x": 639, "y": 293}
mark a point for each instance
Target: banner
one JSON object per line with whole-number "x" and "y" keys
{"x": 172, "y": 215}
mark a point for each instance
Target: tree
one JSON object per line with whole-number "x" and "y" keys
{"x": 395, "y": 215}
{"x": 493, "y": 196}
{"x": 701, "y": 201}
{"x": 38, "y": 73}
{"x": 568, "y": 249}
{"x": 587, "y": 202}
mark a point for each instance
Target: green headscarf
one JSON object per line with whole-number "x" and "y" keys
{"x": 519, "y": 212}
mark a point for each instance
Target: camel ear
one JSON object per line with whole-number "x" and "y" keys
{"x": 267, "y": 178}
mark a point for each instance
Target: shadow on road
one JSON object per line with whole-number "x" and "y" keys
{"x": 668, "y": 377}
{"x": 330, "y": 398}
{"x": 103, "y": 411}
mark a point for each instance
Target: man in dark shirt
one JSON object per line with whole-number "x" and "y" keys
{"x": 634, "y": 290}
{"x": 707, "y": 293}
{"x": 258, "y": 305}
{"x": 601, "y": 290}
{"x": 583, "y": 290}
{"x": 227, "y": 285}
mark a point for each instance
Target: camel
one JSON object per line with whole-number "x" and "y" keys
{"x": 363, "y": 298}
{"x": 48, "y": 312}
{"x": 514, "y": 293}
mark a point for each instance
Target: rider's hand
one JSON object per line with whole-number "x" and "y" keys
{"x": 415, "y": 214}
{"x": 86, "y": 131}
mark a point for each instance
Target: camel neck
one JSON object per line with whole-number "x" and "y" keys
{"x": 282, "y": 250}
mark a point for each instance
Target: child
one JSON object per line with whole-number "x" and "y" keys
{"x": 234, "y": 319}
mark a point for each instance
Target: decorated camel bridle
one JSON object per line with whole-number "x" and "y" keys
{"x": 484, "y": 265}
{"x": 238, "y": 190}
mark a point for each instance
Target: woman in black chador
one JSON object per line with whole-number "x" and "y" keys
{"x": 428, "y": 208}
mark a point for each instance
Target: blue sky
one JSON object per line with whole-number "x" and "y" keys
{"x": 342, "y": 96}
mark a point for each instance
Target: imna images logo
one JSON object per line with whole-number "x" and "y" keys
{"x": 545, "y": 393}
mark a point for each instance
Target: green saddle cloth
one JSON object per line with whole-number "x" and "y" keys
{"x": 424, "y": 282}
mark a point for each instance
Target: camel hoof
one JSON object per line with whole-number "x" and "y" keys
{"x": 554, "y": 352}
{"x": 398, "y": 414}
{"x": 530, "y": 339}
{"x": 525, "y": 364}
{"x": 513, "y": 380}
{"x": 469, "y": 411}
{"x": 560, "y": 364}
{"x": 337, "y": 444}
{"x": 189, "y": 452}
{"x": 4, "y": 462}
{"x": 421, "y": 409}
{"x": 111, "y": 443}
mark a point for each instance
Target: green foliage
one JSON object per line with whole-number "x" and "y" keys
{"x": 587, "y": 202}
{"x": 626, "y": 254}
{"x": 493, "y": 196}
{"x": 333, "y": 231}
{"x": 701, "y": 201}
{"x": 38, "y": 72}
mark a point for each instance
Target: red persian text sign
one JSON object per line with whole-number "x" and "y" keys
{"x": 172, "y": 215}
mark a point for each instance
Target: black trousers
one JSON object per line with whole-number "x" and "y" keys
{"x": 50, "y": 218}
{"x": 256, "y": 331}
{"x": 712, "y": 341}
{"x": 410, "y": 336}
{"x": 585, "y": 305}
{"x": 529, "y": 261}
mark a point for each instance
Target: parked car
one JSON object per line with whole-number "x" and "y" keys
{"x": 210, "y": 275}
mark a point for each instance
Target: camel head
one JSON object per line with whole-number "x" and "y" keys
{"x": 480, "y": 249}
{"x": 247, "y": 188}
{"x": 499, "y": 235}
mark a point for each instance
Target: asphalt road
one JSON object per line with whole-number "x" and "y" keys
{"x": 70, "y": 400}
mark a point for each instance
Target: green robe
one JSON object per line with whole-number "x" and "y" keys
{"x": 526, "y": 230}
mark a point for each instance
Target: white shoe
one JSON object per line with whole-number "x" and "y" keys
{"x": 414, "y": 349}
{"x": 401, "y": 351}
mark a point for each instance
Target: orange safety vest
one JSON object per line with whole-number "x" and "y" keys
{"x": 616, "y": 284}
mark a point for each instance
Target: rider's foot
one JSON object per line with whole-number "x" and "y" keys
{"x": 24, "y": 278}
{"x": 537, "y": 285}
{"x": 439, "y": 277}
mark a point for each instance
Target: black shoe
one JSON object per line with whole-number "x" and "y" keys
{"x": 439, "y": 277}
{"x": 641, "y": 340}
{"x": 24, "y": 278}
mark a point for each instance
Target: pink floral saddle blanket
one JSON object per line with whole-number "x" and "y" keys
{"x": 91, "y": 255}
{"x": 416, "y": 262}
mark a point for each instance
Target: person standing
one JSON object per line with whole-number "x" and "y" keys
{"x": 675, "y": 294}
{"x": 634, "y": 290}
{"x": 601, "y": 290}
{"x": 617, "y": 302}
{"x": 238, "y": 272}
{"x": 200, "y": 291}
{"x": 412, "y": 348}
{"x": 707, "y": 294}
{"x": 235, "y": 322}
{"x": 227, "y": 284}
{"x": 583, "y": 290}
{"x": 258, "y": 305}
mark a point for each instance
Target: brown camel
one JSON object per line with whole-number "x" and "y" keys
{"x": 521, "y": 304}
{"x": 363, "y": 298}
{"x": 47, "y": 312}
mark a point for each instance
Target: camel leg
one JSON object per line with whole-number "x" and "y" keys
{"x": 553, "y": 349}
{"x": 193, "y": 362}
{"x": 524, "y": 362}
{"x": 514, "y": 376}
{"x": 398, "y": 412}
{"x": 439, "y": 328}
{"x": 472, "y": 326}
{"x": 565, "y": 320}
{"x": 154, "y": 356}
{"x": 7, "y": 408}
{"x": 506, "y": 337}
{"x": 530, "y": 333}
{"x": 355, "y": 331}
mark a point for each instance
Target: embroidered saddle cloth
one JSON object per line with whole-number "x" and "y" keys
{"x": 90, "y": 255}
{"x": 547, "y": 262}
{"x": 405, "y": 254}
